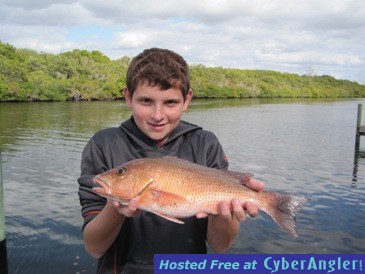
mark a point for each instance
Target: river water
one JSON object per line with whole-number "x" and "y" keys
{"x": 301, "y": 146}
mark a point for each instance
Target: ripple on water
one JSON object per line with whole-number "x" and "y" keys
{"x": 57, "y": 237}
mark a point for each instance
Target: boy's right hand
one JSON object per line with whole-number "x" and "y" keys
{"x": 128, "y": 210}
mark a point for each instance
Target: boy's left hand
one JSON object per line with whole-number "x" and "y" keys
{"x": 238, "y": 210}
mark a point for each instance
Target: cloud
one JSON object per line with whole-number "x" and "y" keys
{"x": 284, "y": 35}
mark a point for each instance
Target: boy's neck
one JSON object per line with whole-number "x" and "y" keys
{"x": 161, "y": 142}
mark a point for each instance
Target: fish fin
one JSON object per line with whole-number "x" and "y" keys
{"x": 163, "y": 198}
{"x": 170, "y": 218}
{"x": 283, "y": 209}
{"x": 243, "y": 178}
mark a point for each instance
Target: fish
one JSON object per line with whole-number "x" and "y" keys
{"x": 174, "y": 189}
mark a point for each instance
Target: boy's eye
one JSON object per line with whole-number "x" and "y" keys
{"x": 145, "y": 100}
{"x": 171, "y": 102}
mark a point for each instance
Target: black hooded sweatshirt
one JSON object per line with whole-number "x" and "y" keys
{"x": 142, "y": 237}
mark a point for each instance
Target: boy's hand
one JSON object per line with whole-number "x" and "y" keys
{"x": 255, "y": 184}
{"x": 238, "y": 210}
{"x": 128, "y": 210}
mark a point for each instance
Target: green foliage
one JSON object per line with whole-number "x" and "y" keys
{"x": 26, "y": 75}
{"x": 233, "y": 83}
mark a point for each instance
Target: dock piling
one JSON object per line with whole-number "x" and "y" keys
{"x": 359, "y": 130}
{"x": 3, "y": 251}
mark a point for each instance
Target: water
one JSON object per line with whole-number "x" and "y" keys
{"x": 302, "y": 146}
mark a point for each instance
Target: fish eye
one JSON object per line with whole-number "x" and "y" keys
{"x": 120, "y": 171}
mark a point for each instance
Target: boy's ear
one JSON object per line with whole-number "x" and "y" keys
{"x": 127, "y": 96}
{"x": 188, "y": 98}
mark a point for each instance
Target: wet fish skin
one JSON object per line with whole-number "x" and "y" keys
{"x": 174, "y": 188}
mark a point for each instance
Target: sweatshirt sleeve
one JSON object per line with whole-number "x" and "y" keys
{"x": 215, "y": 155}
{"x": 92, "y": 163}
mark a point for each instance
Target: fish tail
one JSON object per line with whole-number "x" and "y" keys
{"x": 283, "y": 208}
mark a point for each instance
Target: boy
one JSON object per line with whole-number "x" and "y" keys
{"x": 122, "y": 238}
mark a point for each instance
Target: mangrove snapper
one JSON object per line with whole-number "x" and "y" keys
{"x": 173, "y": 188}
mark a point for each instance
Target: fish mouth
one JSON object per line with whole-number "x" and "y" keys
{"x": 104, "y": 188}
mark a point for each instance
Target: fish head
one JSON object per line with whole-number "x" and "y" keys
{"x": 122, "y": 183}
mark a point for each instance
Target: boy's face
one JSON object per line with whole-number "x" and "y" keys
{"x": 157, "y": 112}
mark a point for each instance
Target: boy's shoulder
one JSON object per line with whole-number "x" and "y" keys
{"x": 108, "y": 131}
{"x": 187, "y": 126}
{"x": 105, "y": 134}
{"x": 197, "y": 131}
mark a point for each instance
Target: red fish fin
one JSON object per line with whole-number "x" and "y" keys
{"x": 243, "y": 178}
{"x": 162, "y": 198}
{"x": 172, "y": 219}
{"x": 283, "y": 208}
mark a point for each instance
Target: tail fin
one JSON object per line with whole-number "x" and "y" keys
{"x": 283, "y": 208}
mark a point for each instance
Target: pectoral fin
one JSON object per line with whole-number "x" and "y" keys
{"x": 156, "y": 201}
{"x": 163, "y": 198}
{"x": 170, "y": 218}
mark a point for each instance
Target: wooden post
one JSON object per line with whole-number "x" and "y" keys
{"x": 357, "y": 143}
{"x": 3, "y": 251}
{"x": 359, "y": 116}
{"x": 358, "y": 125}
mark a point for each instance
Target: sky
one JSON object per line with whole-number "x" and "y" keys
{"x": 320, "y": 37}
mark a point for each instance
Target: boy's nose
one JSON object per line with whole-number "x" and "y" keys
{"x": 157, "y": 114}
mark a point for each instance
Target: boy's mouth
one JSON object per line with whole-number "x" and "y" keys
{"x": 157, "y": 126}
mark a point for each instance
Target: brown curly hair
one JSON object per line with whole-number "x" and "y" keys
{"x": 158, "y": 67}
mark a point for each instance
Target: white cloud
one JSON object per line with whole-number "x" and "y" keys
{"x": 285, "y": 35}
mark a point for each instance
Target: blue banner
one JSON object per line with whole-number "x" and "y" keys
{"x": 259, "y": 263}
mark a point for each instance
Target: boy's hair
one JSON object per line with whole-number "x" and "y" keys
{"x": 158, "y": 67}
